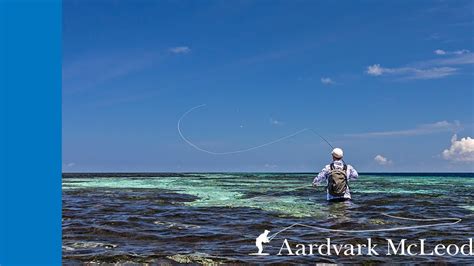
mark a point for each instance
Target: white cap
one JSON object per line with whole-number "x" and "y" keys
{"x": 337, "y": 153}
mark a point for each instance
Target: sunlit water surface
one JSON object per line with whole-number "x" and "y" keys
{"x": 206, "y": 218}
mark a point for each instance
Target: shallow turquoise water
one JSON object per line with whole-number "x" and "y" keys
{"x": 214, "y": 209}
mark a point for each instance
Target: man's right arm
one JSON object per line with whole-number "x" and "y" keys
{"x": 322, "y": 176}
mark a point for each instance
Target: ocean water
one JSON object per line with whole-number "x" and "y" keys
{"x": 215, "y": 217}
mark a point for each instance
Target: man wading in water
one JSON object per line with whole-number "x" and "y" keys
{"x": 337, "y": 174}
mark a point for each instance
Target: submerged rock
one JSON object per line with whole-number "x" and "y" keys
{"x": 377, "y": 221}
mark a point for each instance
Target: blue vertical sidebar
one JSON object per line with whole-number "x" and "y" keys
{"x": 30, "y": 132}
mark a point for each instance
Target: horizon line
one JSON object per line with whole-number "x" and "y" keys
{"x": 255, "y": 172}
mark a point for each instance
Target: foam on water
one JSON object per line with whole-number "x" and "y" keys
{"x": 471, "y": 208}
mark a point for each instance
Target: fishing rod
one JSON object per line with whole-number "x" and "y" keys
{"x": 449, "y": 221}
{"x": 246, "y": 149}
{"x": 317, "y": 134}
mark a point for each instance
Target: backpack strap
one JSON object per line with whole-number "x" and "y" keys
{"x": 347, "y": 176}
{"x": 331, "y": 167}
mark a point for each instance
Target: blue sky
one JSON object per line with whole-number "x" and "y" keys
{"x": 389, "y": 82}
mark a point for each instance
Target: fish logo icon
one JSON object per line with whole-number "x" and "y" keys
{"x": 262, "y": 238}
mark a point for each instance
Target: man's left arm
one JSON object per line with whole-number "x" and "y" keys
{"x": 352, "y": 173}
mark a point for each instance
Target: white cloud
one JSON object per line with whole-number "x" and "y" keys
{"x": 276, "y": 122}
{"x": 461, "y": 150}
{"x": 424, "y": 129}
{"x": 411, "y": 72}
{"x": 180, "y": 50}
{"x": 70, "y": 165}
{"x": 375, "y": 70}
{"x": 463, "y": 51}
{"x": 327, "y": 81}
{"x": 457, "y": 52}
{"x": 428, "y": 69}
{"x": 431, "y": 73}
{"x": 382, "y": 160}
{"x": 457, "y": 59}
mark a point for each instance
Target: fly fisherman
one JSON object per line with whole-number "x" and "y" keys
{"x": 337, "y": 174}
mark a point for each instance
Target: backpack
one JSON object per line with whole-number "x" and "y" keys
{"x": 337, "y": 181}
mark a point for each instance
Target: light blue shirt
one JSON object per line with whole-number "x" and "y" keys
{"x": 323, "y": 176}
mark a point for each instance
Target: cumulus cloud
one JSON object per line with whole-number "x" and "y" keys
{"x": 382, "y": 160}
{"x": 375, "y": 70}
{"x": 180, "y": 50}
{"x": 461, "y": 150}
{"x": 424, "y": 129}
{"x": 327, "y": 81}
